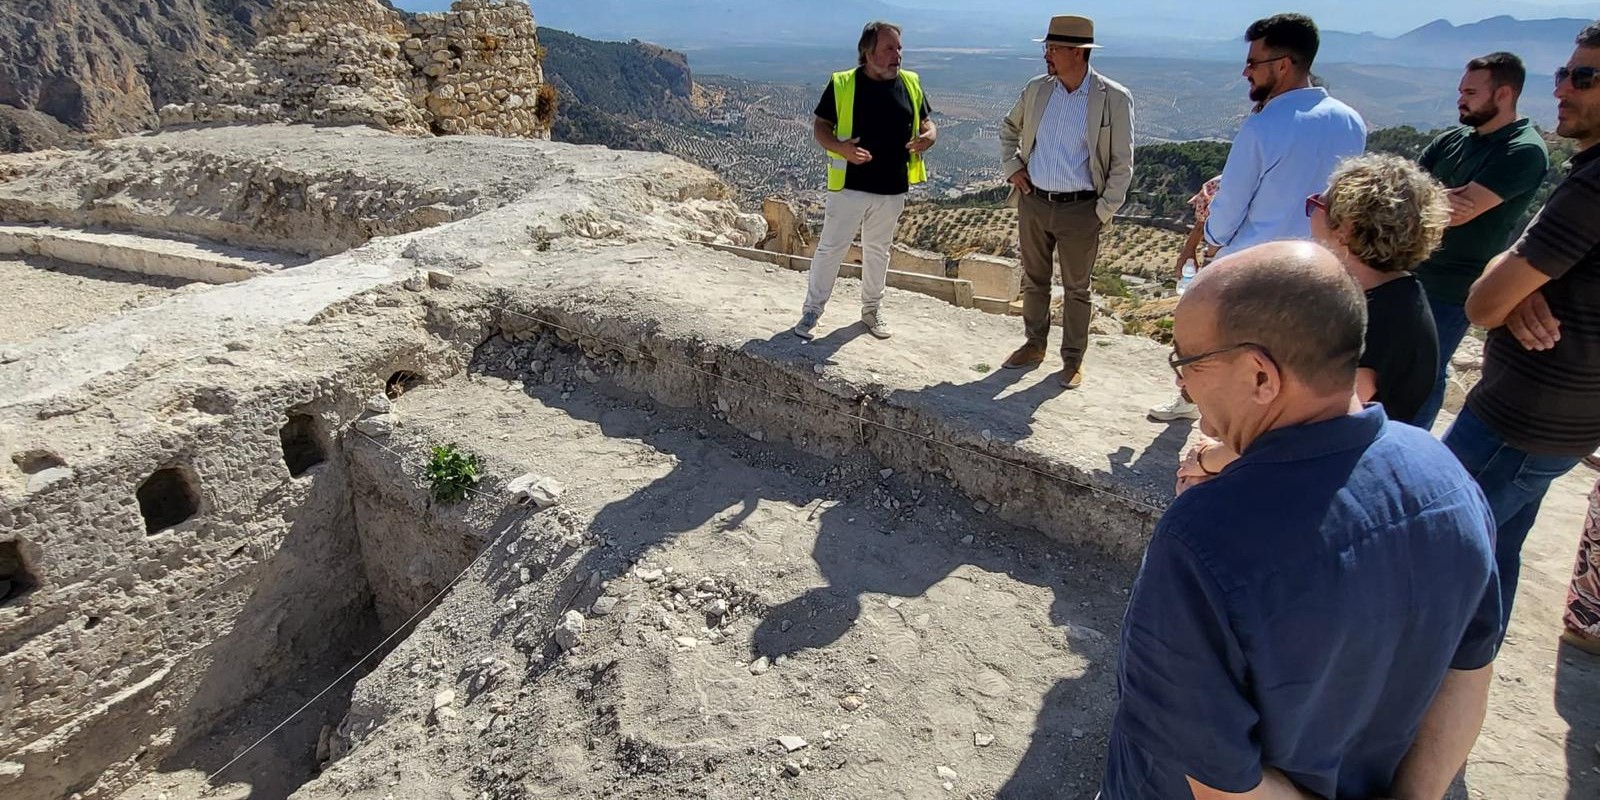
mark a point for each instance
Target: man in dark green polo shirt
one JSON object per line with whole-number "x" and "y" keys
{"x": 1492, "y": 164}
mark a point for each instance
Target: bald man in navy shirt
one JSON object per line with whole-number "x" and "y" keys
{"x": 1319, "y": 617}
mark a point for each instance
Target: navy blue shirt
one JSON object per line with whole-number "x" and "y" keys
{"x": 1300, "y": 610}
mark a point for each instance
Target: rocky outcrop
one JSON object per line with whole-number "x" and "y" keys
{"x": 24, "y": 131}
{"x": 617, "y": 93}
{"x": 104, "y": 66}
{"x": 475, "y": 69}
{"x": 785, "y": 234}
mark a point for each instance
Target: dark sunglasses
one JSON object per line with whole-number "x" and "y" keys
{"x": 1315, "y": 202}
{"x": 1582, "y": 77}
{"x": 1178, "y": 364}
{"x": 1251, "y": 63}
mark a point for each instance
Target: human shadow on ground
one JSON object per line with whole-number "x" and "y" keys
{"x": 1061, "y": 734}
{"x": 1158, "y": 460}
{"x": 1578, "y": 702}
{"x": 897, "y": 536}
{"x": 983, "y": 400}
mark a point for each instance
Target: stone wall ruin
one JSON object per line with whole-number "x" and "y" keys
{"x": 179, "y": 531}
{"x": 476, "y": 69}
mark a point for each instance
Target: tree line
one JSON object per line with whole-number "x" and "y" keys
{"x": 1168, "y": 174}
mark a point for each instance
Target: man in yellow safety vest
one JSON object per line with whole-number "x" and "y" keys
{"x": 874, "y": 122}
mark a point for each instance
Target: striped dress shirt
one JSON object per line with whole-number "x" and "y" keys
{"x": 1060, "y": 161}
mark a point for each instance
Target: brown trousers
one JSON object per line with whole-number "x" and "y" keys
{"x": 1070, "y": 232}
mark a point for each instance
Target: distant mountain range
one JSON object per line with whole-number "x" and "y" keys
{"x": 1544, "y": 44}
{"x": 692, "y": 25}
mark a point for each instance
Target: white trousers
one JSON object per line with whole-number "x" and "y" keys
{"x": 875, "y": 216}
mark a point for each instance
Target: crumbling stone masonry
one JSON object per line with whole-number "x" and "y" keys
{"x": 482, "y": 63}
{"x": 475, "y": 69}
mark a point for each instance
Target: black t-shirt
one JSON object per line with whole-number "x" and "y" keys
{"x": 882, "y": 122}
{"x": 1402, "y": 346}
{"x": 1547, "y": 402}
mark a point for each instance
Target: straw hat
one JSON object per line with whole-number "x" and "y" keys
{"x": 1070, "y": 31}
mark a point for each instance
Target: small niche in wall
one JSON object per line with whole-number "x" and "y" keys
{"x": 400, "y": 382}
{"x": 33, "y": 462}
{"x": 302, "y": 446}
{"x": 167, "y": 498}
{"x": 16, "y": 577}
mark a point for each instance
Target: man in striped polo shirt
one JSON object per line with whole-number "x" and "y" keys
{"x": 1536, "y": 413}
{"x": 1068, "y": 151}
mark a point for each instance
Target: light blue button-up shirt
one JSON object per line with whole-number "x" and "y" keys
{"x": 1060, "y": 161}
{"x": 1282, "y": 155}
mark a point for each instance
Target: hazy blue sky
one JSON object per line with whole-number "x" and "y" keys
{"x": 1387, "y": 17}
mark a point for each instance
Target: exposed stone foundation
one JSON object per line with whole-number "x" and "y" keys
{"x": 475, "y": 69}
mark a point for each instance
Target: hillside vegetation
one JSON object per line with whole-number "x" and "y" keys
{"x": 612, "y": 92}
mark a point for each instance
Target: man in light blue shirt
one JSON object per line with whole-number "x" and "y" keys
{"x": 1286, "y": 152}
{"x": 1283, "y": 154}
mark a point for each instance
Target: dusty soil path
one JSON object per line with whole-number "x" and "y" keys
{"x": 38, "y": 295}
{"x": 1541, "y": 740}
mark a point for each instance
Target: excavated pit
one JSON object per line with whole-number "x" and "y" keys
{"x": 659, "y": 463}
{"x": 311, "y": 575}
{"x": 696, "y": 550}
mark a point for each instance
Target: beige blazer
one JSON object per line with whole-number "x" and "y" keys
{"x": 1109, "y": 130}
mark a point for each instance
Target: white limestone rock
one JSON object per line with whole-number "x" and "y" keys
{"x": 567, "y": 632}
{"x": 531, "y": 488}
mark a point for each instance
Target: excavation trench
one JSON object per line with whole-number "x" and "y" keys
{"x": 694, "y": 548}
{"x": 544, "y": 380}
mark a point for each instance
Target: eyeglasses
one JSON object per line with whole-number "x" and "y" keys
{"x": 1178, "y": 364}
{"x": 1252, "y": 63}
{"x": 1582, "y": 77}
{"x": 1315, "y": 202}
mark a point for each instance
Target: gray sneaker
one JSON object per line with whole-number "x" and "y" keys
{"x": 808, "y": 324}
{"x": 875, "y": 324}
{"x": 1178, "y": 409}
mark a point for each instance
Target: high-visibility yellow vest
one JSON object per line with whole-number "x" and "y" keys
{"x": 844, "y": 104}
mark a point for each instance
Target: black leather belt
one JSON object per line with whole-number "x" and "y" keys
{"x": 1065, "y": 197}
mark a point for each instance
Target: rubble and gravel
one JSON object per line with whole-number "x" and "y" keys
{"x": 728, "y": 662}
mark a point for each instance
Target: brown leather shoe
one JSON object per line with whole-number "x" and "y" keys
{"x": 1581, "y": 641}
{"x": 1028, "y": 355}
{"x": 1074, "y": 380}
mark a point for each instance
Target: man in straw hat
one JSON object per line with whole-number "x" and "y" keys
{"x": 874, "y": 122}
{"x": 1068, "y": 151}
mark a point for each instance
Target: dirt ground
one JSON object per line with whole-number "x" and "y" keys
{"x": 38, "y": 295}
{"x": 1542, "y": 736}
{"x": 947, "y": 627}
{"x": 982, "y": 656}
